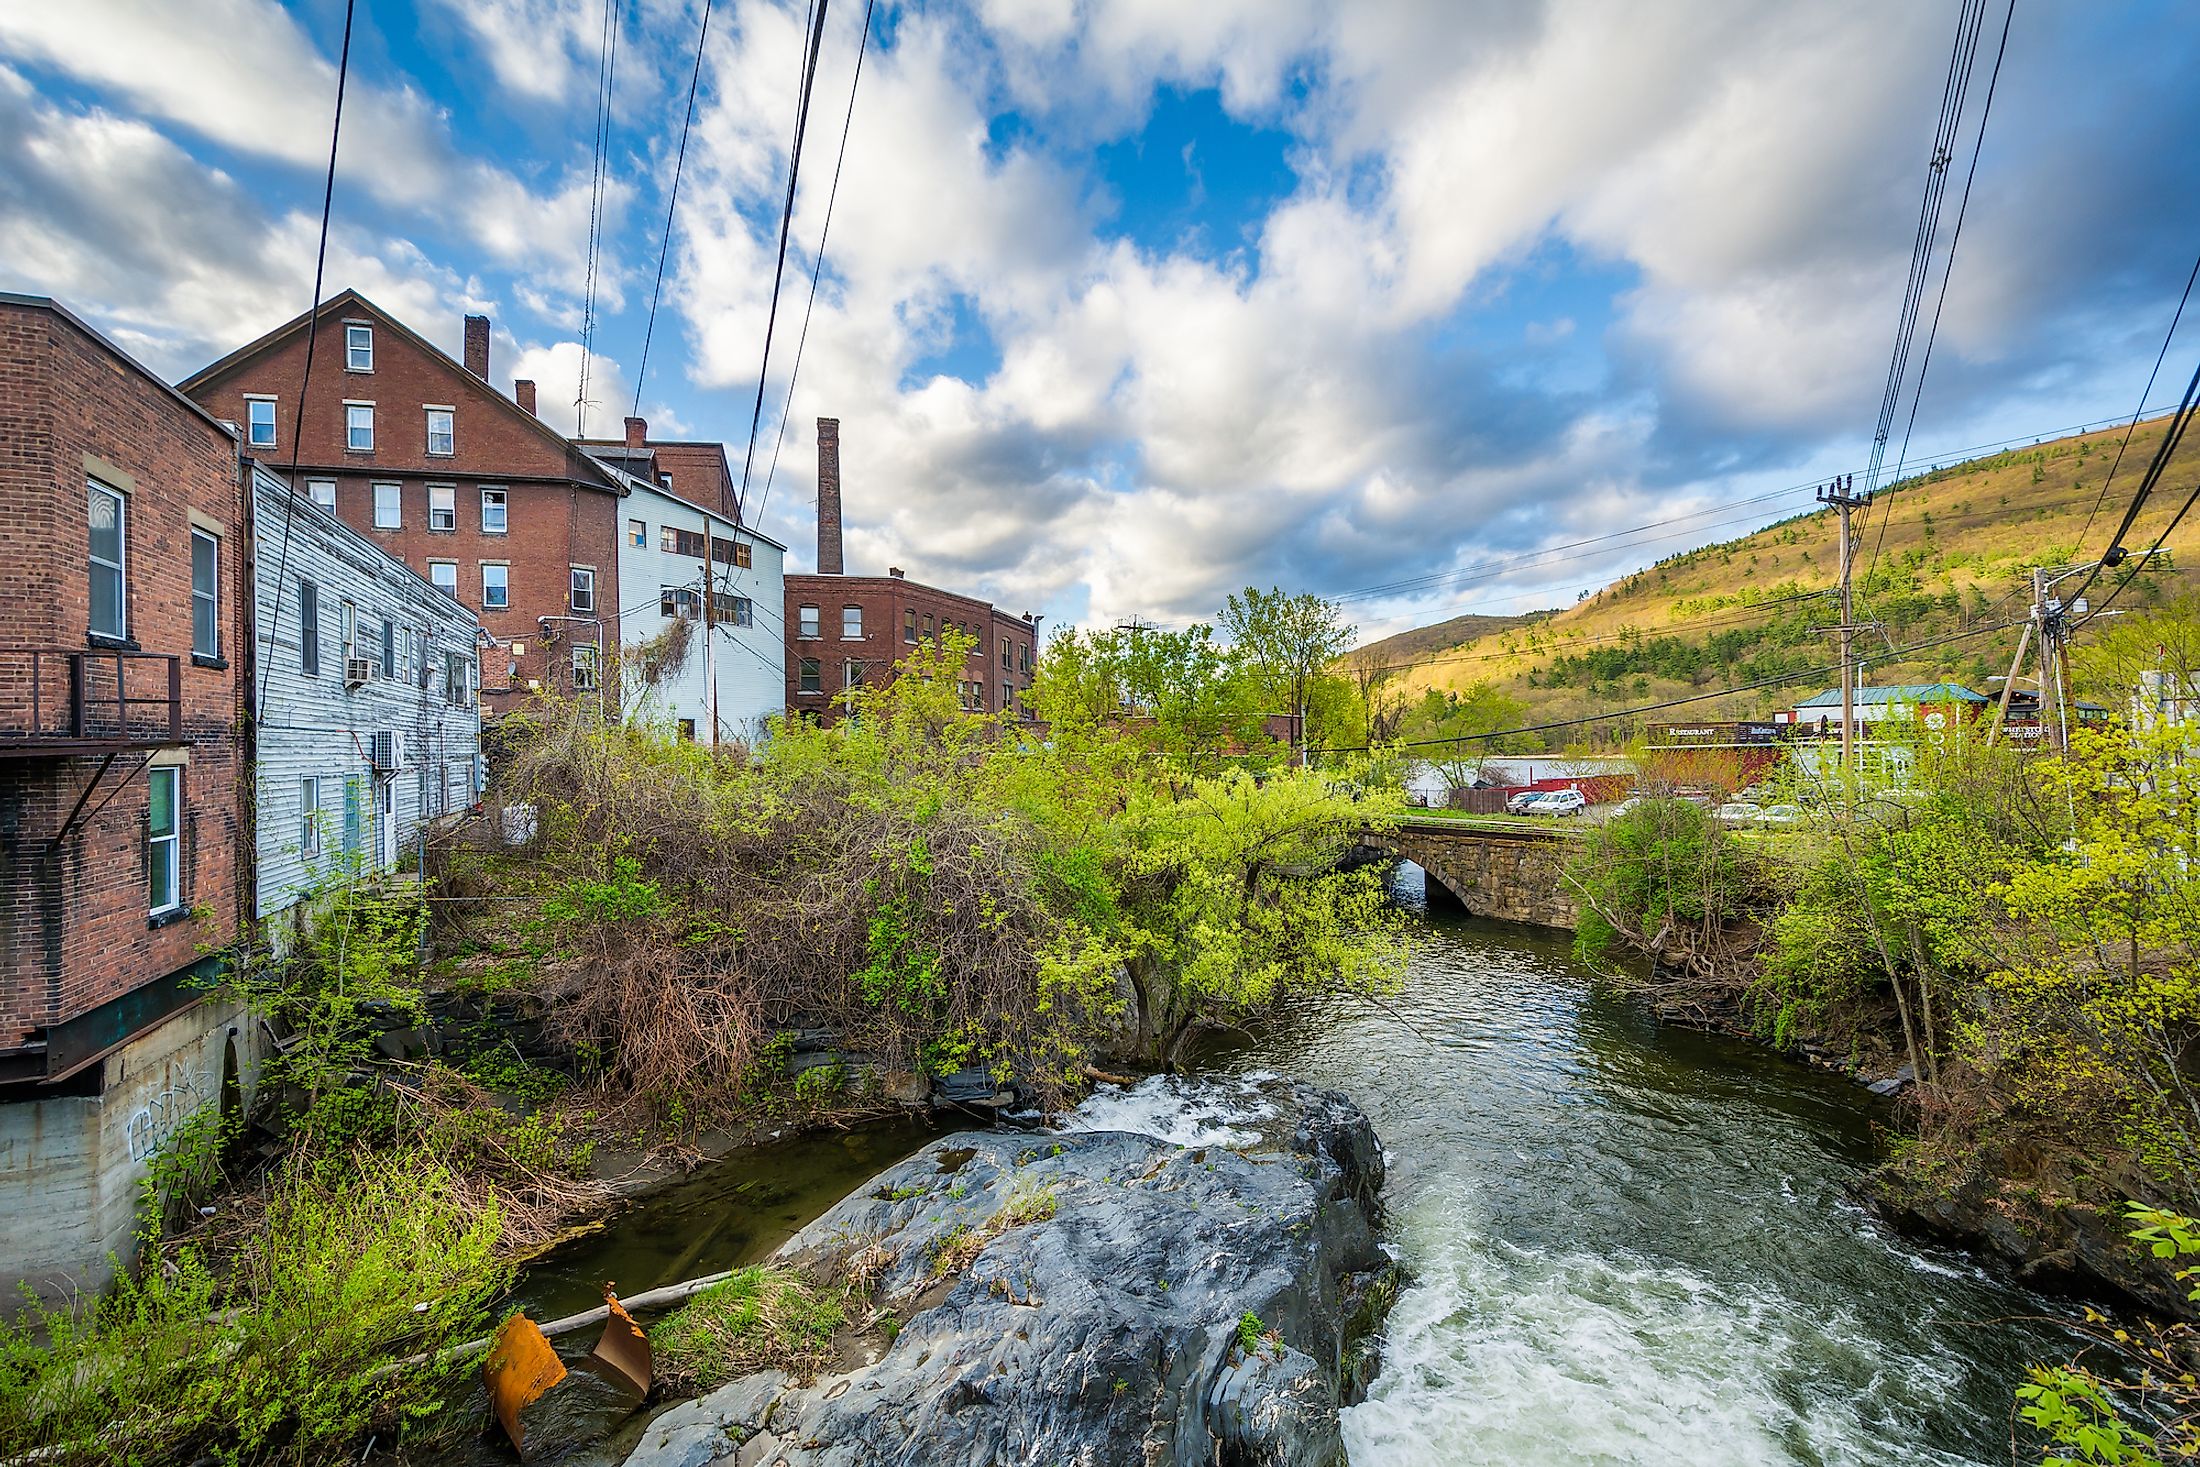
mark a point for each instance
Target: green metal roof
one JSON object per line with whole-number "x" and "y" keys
{"x": 1899, "y": 693}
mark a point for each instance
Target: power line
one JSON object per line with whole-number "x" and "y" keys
{"x": 607, "y": 73}
{"x": 1948, "y": 270}
{"x": 786, "y": 225}
{"x": 2147, "y": 391}
{"x": 2171, "y": 437}
{"x": 672, "y": 202}
{"x": 817, "y": 264}
{"x": 1598, "y": 638}
{"x": 305, "y": 381}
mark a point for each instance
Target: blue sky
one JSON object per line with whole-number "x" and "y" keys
{"x": 1127, "y": 304}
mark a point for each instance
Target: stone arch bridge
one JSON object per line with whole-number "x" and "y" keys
{"x": 1511, "y": 872}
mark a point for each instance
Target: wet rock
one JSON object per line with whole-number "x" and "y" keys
{"x": 1083, "y": 1298}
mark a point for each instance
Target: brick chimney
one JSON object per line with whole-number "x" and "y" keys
{"x": 477, "y": 345}
{"x": 637, "y": 432}
{"x": 523, "y": 393}
{"x": 828, "y": 497}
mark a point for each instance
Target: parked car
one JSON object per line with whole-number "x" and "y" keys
{"x": 1783, "y": 815}
{"x": 1518, "y": 804}
{"x": 1626, "y": 806}
{"x": 1560, "y": 802}
{"x": 1739, "y": 812}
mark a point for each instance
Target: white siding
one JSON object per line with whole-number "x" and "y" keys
{"x": 749, "y": 663}
{"x": 310, "y": 725}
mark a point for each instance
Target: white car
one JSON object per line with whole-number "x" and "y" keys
{"x": 1559, "y": 802}
{"x": 1519, "y": 804}
{"x": 1739, "y": 812}
{"x": 1783, "y": 815}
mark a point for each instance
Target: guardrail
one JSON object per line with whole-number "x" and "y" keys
{"x": 61, "y": 698}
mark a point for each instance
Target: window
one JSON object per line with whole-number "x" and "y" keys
{"x": 1008, "y": 696}
{"x": 420, "y": 659}
{"x": 909, "y": 625}
{"x": 309, "y": 629}
{"x": 806, "y": 675}
{"x": 807, "y": 626}
{"x": 359, "y": 427}
{"x": 388, "y": 507}
{"x": 664, "y": 480}
{"x": 680, "y": 542}
{"x": 851, "y": 676}
{"x": 358, "y": 348}
{"x": 584, "y": 588}
{"x": 681, "y": 602}
{"x": 355, "y": 816}
{"x": 206, "y": 571}
{"x": 928, "y": 623}
{"x": 687, "y": 729}
{"x": 347, "y": 630}
{"x": 1006, "y": 648}
{"x": 443, "y": 574}
{"x": 110, "y": 529}
{"x": 164, "y": 844}
{"x": 442, "y": 432}
{"x": 736, "y": 553}
{"x": 496, "y": 587}
{"x": 309, "y": 816}
{"x": 637, "y": 534}
{"x": 323, "y": 492}
{"x": 733, "y": 610}
{"x": 389, "y": 648}
{"x": 1023, "y": 657}
{"x": 851, "y": 623}
{"x": 442, "y": 507}
{"x": 259, "y": 414}
{"x": 584, "y": 669}
{"x": 454, "y": 678}
{"x": 492, "y": 512}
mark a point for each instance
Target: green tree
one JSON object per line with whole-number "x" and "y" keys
{"x": 1288, "y": 643}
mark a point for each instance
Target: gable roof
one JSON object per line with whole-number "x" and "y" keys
{"x": 1899, "y": 693}
{"x": 349, "y": 299}
{"x": 48, "y": 303}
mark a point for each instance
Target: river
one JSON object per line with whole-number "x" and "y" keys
{"x": 1628, "y": 1243}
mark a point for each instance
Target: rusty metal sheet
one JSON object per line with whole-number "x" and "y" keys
{"x": 519, "y": 1368}
{"x": 624, "y": 1348}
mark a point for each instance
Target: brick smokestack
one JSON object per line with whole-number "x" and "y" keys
{"x": 828, "y": 497}
{"x": 523, "y": 393}
{"x": 477, "y": 345}
{"x": 637, "y": 432}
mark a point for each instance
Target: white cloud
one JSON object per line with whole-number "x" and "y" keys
{"x": 556, "y": 372}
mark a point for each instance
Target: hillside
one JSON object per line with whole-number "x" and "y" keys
{"x": 1942, "y": 553}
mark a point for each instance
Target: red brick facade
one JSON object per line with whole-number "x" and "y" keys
{"x": 560, "y": 509}
{"x": 897, "y": 614}
{"x": 77, "y": 930}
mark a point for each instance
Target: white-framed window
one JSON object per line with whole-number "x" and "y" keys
{"x": 443, "y": 575}
{"x": 358, "y": 348}
{"x": 637, "y": 534}
{"x": 442, "y": 432}
{"x": 496, "y": 586}
{"x": 493, "y": 517}
{"x": 442, "y": 506}
{"x": 584, "y": 669}
{"x": 851, "y": 623}
{"x": 584, "y": 588}
{"x": 323, "y": 493}
{"x": 309, "y": 815}
{"x": 851, "y": 675}
{"x": 259, "y": 421}
{"x": 110, "y": 522}
{"x": 206, "y": 600}
{"x": 807, "y": 624}
{"x": 454, "y": 678}
{"x": 347, "y": 629}
{"x": 389, "y": 511}
{"x": 1008, "y": 694}
{"x": 164, "y": 839}
{"x": 359, "y": 427}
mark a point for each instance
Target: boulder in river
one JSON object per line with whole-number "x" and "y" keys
{"x": 1085, "y": 1297}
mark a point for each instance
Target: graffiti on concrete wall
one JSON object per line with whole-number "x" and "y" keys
{"x": 152, "y": 1123}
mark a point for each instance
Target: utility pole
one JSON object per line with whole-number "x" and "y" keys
{"x": 1839, "y": 493}
{"x": 710, "y": 648}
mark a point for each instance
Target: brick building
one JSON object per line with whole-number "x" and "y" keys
{"x": 842, "y": 630}
{"x": 124, "y": 657}
{"x": 424, "y": 457}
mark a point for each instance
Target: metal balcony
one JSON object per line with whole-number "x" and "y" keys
{"x": 55, "y": 701}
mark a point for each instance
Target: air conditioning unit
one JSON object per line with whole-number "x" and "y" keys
{"x": 384, "y": 752}
{"x": 359, "y": 671}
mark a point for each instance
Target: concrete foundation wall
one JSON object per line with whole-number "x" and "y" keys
{"x": 71, "y": 1166}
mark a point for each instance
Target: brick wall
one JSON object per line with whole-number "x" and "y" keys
{"x": 74, "y": 924}
{"x": 556, "y": 515}
{"x": 887, "y": 604}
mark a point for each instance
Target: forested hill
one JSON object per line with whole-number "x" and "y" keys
{"x": 1946, "y": 552}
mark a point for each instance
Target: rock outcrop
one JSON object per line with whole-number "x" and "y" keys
{"x": 1085, "y": 1298}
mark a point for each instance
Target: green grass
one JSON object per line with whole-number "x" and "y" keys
{"x": 762, "y": 1318}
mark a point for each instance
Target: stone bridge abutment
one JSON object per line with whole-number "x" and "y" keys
{"x": 1514, "y": 874}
